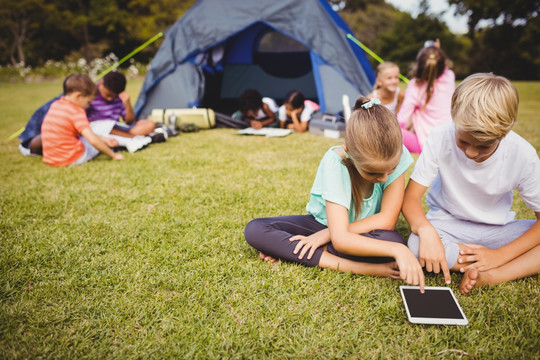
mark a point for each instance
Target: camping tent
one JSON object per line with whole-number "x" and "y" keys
{"x": 219, "y": 48}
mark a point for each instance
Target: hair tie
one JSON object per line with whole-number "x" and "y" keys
{"x": 432, "y": 56}
{"x": 369, "y": 104}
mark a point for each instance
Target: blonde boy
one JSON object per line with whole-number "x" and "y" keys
{"x": 66, "y": 134}
{"x": 473, "y": 166}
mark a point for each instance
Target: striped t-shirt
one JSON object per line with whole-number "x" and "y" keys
{"x": 60, "y": 133}
{"x": 100, "y": 109}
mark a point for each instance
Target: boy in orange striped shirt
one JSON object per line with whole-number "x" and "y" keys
{"x": 66, "y": 134}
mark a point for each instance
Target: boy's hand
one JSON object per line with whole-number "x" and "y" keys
{"x": 479, "y": 257}
{"x": 124, "y": 96}
{"x": 118, "y": 156}
{"x": 431, "y": 253}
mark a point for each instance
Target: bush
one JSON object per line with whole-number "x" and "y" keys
{"x": 60, "y": 69}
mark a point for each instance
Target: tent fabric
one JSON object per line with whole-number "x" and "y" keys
{"x": 176, "y": 77}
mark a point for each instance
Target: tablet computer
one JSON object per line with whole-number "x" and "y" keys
{"x": 437, "y": 305}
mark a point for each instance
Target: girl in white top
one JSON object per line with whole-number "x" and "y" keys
{"x": 296, "y": 112}
{"x": 387, "y": 86}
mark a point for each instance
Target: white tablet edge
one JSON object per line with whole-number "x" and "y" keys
{"x": 434, "y": 321}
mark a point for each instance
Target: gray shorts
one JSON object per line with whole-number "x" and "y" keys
{"x": 453, "y": 232}
{"x": 90, "y": 152}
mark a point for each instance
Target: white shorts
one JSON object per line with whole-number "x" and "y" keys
{"x": 90, "y": 152}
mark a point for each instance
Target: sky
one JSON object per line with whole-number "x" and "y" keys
{"x": 456, "y": 24}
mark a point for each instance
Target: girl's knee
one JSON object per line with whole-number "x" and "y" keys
{"x": 254, "y": 231}
{"x": 387, "y": 235}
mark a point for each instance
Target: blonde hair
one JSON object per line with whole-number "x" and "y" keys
{"x": 384, "y": 66}
{"x": 485, "y": 106}
{"x": 371, "y": 134}
{"x": 430, "y": 64}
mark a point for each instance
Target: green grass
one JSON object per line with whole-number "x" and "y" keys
{"x": 146, "y": 258}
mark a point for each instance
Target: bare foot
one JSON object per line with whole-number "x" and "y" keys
{"x": 267, "y": 258}
{"x": 469, "y": 281}
{"x": 391, "y": 270}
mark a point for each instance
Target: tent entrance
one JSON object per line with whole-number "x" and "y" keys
{"x": 260, "y": 58}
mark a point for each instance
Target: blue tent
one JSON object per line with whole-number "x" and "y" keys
{"x": 219, "y": 48}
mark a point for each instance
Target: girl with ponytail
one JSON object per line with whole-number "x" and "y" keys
{"x": 427, "y": 97}
{"x": 353, "y": 208}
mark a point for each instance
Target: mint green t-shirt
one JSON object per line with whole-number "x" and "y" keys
{"x": 333, "y": 183}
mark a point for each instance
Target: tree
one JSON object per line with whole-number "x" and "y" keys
{"x": 20, "y": 19}
{"x": 509, "y": 11}
{"x": 509, "y": 45}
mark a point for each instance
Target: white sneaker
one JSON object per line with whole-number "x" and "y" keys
{"x": 25, "y": 151}
{"x": 137, "y": 143}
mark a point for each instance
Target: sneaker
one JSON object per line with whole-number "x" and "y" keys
{"x": 158, "y": 135}
{"x": 24, "y": 151}
{"x": 137, "y": 143}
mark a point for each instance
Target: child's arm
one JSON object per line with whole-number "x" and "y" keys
{"x": 431, "y": 252}
{"x": 100, "y": 145}
{"x": 130, "y": 114}
{"x": 347, "y": 242}
{"x": 297, "y": 125}
{"x": 386, "y": 219}
{"x": 271, "y": 117}
{"x": 484, "y": 259}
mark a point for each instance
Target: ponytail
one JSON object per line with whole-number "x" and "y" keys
{"x": 430, "y": 64}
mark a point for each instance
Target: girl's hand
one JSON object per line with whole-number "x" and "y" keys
{"x": 255, "y": 124}
{"x": 308, "y": 243}
{"x": 431, "y": 253}
{"x": 479, "y": 257}
{"x": 410, "y": 270}
{"x": 118, "y": 156}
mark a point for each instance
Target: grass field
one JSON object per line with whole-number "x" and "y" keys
{"x": 146, "y": 258}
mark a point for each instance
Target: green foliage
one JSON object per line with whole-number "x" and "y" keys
{"x": 145, "y": 258}
{"x": 60, "y": 69}
{"x": 509, "y": 10}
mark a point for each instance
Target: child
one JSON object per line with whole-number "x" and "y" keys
{"x": 355, "y": 203}
{"x": 257, "y": 111}
{"x": 296, "y": 112}
{"x": 387, "y": 86}
{"x": 427, "y": 98}
{"x": 66, "y": 122}
{"x": 113, "y": 103}
{"x": 473, "y": 166}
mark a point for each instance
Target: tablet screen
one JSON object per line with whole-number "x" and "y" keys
{"x": 437, "y": 305}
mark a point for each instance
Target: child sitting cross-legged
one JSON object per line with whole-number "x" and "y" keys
{"x": 66, "y": 134}
{"x": 473, "y": 165}
{"x": 353, "y": 207}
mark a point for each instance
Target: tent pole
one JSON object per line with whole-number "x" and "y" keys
{"x": 113, "y": 67}
{"x": 128, "y": 56}
{"x": 375, "y": 56}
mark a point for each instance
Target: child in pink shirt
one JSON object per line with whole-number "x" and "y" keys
{"x": 427, "y": 98}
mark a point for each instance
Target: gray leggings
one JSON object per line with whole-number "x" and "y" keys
{"x": 271, "y": 236}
